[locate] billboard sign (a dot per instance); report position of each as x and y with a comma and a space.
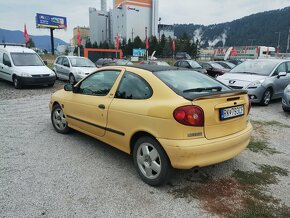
139, 52
50, 21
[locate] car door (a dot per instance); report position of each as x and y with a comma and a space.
66, 67
87, 108
58, 67
279, 83
6, 67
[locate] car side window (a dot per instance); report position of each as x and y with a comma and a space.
59, 60
288, 67
99, 83
280, 68
65, 62
6, 59
1, 57
133, 86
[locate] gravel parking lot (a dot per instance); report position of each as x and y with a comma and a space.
43, 173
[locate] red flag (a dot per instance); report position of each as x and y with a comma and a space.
79, 40
173, 45
117, 41
26, 37
147, 43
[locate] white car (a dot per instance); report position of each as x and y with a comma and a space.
23, 66
73, 68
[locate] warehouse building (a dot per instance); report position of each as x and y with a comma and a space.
127, 19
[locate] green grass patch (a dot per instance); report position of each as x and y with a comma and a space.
269, 123
259, 204
261, 146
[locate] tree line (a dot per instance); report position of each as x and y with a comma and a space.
163, 48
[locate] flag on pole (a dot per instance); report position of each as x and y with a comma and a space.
79, 40
117, 41
173, 45
26, 37
147, 42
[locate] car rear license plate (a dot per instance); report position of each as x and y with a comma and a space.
231, 112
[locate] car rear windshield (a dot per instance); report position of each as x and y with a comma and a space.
81, 62
260, 67
26, 59
194, 65
188, 83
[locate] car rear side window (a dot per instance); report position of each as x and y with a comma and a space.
133, 86
99, 83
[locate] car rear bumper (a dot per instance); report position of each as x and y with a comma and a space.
186, 154
36, 80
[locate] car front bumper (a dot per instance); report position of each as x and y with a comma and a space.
36, 80
256, 95
186, 154
286, 101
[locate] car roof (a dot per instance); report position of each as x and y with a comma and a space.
155, 68
18, 49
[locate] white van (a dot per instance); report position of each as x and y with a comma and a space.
23, 66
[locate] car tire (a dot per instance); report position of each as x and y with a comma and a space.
285, 109
266, 98
50, 84
17, 84
58, 120
72, 79
151, 161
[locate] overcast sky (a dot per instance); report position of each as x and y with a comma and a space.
14, 13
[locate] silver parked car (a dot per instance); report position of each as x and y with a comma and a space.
286, 99
264, 79
73, 68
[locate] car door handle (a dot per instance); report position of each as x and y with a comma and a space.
101, 106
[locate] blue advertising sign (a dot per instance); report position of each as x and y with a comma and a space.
50, 21
139, 52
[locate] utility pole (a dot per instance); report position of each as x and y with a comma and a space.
252, 41
279, 33
132, 35
287, 49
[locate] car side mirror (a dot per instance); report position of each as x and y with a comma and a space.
45, 62
282, 74
68, 87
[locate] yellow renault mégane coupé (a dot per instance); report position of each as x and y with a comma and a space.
165, 117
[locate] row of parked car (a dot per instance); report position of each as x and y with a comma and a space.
264, 79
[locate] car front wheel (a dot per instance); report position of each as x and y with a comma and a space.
151, 161
265, 101
58, 120
16, 83
72, 79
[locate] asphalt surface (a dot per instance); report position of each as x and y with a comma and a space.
46, 174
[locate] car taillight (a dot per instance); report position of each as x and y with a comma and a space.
189, 115
249, 106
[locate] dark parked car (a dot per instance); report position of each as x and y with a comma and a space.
226, 64
213, 69
182, 55
190, 64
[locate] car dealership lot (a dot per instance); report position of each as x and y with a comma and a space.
43, 173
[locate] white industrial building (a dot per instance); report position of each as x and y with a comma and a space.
128, 19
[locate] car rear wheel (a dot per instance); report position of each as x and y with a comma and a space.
58, 120
72, 79
151, 161
265, 101
16, 83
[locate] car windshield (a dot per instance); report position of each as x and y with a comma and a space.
81, 62
194, 65
260, 67
188, 81
26, 59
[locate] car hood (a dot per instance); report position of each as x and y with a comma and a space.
85, 69
240, 78
34, 70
